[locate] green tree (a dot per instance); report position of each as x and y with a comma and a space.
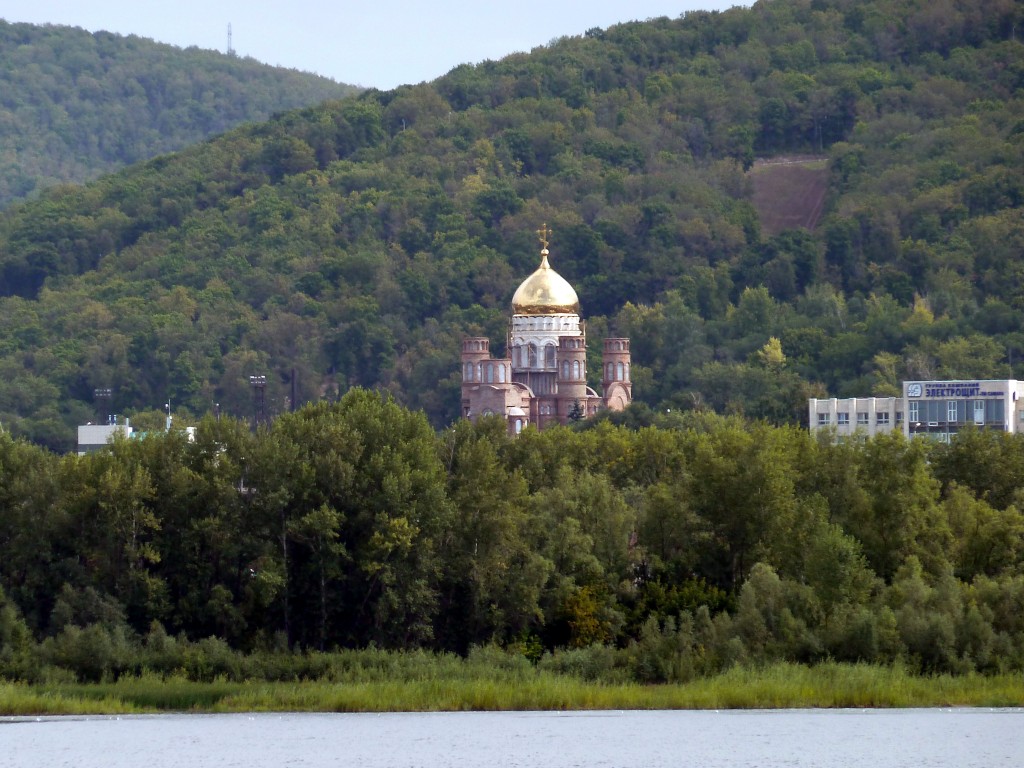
492, 577
901, 517
397, 512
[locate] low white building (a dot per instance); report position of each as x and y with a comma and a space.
92, 437
934, 409
852, 415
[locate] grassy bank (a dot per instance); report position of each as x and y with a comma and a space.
779, 686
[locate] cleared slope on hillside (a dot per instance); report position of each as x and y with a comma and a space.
789, 192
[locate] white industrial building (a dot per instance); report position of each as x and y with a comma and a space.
934, 409
851, 415
93, 437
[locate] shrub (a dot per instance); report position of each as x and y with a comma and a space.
93, 654
593, 663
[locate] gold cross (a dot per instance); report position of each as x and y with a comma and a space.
544, 233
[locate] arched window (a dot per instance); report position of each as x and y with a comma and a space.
611, 372
479, 372
533, 355
469, 372
501, 373
575, 369
519, 426
549, 356
619, 372
627, 372
490, 373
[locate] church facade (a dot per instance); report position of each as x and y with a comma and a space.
543, 381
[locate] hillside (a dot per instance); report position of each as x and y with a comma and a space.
75, 105
789, 192
355, 242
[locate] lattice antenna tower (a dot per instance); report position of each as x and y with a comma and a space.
231, 51
103, 397
259, 400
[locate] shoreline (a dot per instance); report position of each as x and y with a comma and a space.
783, 686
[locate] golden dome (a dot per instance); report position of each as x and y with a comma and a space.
545, 292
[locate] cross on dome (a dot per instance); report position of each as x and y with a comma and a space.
544, 233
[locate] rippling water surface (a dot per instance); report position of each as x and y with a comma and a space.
958, 738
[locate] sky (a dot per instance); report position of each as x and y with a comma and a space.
373, 44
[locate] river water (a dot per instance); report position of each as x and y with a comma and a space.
929, 738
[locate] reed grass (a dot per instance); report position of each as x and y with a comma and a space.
455, 687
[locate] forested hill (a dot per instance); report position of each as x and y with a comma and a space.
355, 242
75, 105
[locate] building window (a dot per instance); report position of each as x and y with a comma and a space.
979, 411
533, 356
619, 375
899, 417
549, 356
914, 418
862, 418
995, 413
611, 372
882, 419
823, 420
843, 419
519, 426
565, 370
469, 372
576, 369
490, 373
501, 374
951, 412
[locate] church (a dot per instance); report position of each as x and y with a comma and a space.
543, 381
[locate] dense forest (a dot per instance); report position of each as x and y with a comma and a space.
354, 243
673, 551
75, 105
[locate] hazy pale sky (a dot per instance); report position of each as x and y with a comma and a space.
382, 44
